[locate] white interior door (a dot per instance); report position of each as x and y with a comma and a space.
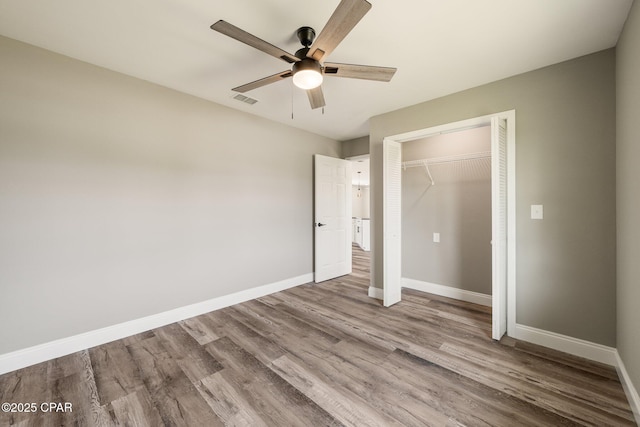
499, 225
332, 222
392, 225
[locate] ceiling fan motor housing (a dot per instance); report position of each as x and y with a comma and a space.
302, 53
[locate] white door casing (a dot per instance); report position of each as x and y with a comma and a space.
499, 226
392, 222
332, 223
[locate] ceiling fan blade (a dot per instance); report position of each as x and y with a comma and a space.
316, 97
253, 41
366, 72
263, 82
344, 18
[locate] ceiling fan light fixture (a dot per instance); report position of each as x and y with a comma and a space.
307, 74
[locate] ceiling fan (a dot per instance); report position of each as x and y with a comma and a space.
307, 65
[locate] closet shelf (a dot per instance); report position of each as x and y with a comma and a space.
446, 159
425, 163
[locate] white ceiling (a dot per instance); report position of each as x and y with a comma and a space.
439, 47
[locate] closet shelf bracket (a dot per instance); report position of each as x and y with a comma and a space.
426, 167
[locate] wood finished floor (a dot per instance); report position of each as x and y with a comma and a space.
323, 355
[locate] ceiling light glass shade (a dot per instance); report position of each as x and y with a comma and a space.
307, 74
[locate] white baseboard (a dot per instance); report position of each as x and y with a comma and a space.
62, 347
629, 389
577, 347
447, 291
376, 293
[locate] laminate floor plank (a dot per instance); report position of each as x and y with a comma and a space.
227, 403
192, 358
23, 386
278, 400
568, 360
116, 374
396, 330
175, 397
270, 299
477, 320
348, 366
318, 321
501, 381
81, 391
322, 355
65, 366
136, 409
403, 331
366, 331
199, 329
399, 318
604, 397
337, 321
258, 343
398, 399
138, 337
348, 408
469, 401
291, 325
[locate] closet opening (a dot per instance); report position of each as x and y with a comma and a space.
449, 214
446, 214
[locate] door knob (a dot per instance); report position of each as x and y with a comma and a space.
321, 224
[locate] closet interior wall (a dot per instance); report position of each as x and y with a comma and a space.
457, 208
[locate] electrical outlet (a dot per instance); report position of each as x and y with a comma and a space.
436, 237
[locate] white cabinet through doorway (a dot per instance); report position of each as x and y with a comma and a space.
361, 232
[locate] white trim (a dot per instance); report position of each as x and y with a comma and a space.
629, 389
62, 347
499, 231
447, 291
511, 220
376, 293
577, 347
446, 128
358, 157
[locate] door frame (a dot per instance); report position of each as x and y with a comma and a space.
508, 305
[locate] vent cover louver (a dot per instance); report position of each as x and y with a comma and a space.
245, 99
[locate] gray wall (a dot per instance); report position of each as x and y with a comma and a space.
458, 207
355, 147
121, 199
565, 136
628, 194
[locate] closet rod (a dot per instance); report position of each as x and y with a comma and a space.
446, 159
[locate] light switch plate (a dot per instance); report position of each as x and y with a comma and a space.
537, 212
436, 237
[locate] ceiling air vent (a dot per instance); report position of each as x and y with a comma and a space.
245, 99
